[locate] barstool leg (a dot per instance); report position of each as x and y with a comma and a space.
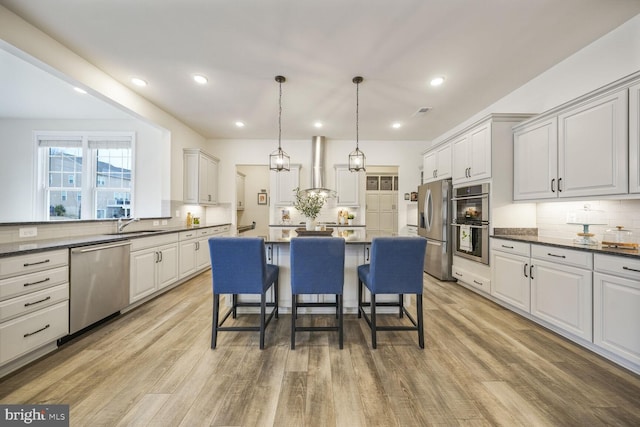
263, 312
401, 304
234, 303
374, 343
359, 298
340, 302
420, 320
214, 323
294, 314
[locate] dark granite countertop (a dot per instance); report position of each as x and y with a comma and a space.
22, 248
568, 244
352, 235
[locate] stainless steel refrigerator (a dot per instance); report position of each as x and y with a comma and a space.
434, 218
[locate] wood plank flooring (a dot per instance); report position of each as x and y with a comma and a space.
482, 365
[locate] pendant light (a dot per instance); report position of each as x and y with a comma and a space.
279, 161
357, 158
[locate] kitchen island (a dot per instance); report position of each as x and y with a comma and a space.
357, 252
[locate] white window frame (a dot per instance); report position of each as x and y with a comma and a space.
89, 189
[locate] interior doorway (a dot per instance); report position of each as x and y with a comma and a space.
382, 200
252, 190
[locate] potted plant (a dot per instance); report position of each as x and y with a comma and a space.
309, 205
350, 218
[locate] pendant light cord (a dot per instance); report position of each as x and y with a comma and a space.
280, 116
357, 113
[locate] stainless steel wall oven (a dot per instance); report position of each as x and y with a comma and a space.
471, 222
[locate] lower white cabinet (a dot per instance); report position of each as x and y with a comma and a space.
561, 295
194, 249
34, 302
510, 273
471, 278
154, 265
552, 284
616, 305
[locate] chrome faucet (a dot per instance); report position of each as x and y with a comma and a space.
122, 225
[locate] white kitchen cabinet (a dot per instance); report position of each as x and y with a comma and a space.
535, 158
510, 273
561, 289
240, 201
34, 302
616, 304
634, 138
437, 163
472, 154
347, 186
283, 184
200, 177
194, 249
576, 151
154, 265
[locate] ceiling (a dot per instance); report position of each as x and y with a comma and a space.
484, 49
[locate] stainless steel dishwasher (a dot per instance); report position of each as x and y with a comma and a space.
99, 283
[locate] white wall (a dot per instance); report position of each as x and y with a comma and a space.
613, 56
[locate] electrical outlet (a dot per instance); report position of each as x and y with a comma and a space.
28, 232
177, 214
156, 223
164, 222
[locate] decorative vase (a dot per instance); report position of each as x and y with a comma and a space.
311, 224
350, 221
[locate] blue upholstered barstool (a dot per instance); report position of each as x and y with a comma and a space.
317, 267
239, 266
396, 268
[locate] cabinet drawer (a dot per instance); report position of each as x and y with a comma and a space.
478, 282
580, 259
150, 242
22, 264
24, 284
186, 235
27, 333
208, 231
618, 265
33, 301
219, 230
509, 246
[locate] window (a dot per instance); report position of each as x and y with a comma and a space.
90, 167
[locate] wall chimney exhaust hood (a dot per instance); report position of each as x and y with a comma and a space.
317, 167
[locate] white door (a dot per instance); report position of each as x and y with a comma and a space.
168, 265
187, 258
143, 274
480, 152
460, 149
634, 139
510, 279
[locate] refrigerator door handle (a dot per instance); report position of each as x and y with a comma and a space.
428, 209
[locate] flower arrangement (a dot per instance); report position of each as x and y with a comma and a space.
308, 204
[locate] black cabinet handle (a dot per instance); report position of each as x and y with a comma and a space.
531, 271
525, 270
35, 332
508, 247
36, 283
28, 264
27, 304
553, 185
630, 269
559, 186
554, 255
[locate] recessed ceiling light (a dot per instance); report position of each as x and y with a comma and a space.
80, 90
138, 82
317, 124
239, 124
200, 79
396, 125
437, 81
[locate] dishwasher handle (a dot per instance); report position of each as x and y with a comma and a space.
94, 248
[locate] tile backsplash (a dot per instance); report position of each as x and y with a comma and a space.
552, 217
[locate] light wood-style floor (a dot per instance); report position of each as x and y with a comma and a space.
482, 365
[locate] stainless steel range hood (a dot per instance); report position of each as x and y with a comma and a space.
317, 167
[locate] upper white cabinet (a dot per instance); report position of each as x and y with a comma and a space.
437, 163
634, 139
200, 177
580, 150
347, 186
283, 184
472, 155
240, 179
535, 157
